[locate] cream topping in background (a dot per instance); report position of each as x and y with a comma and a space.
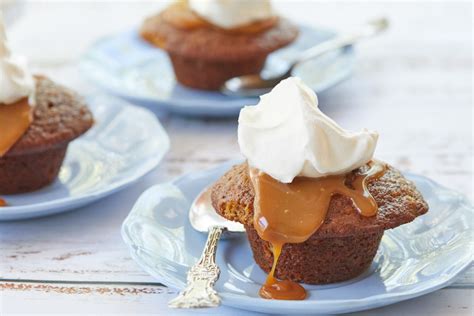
230, 14
286, 135
16, 82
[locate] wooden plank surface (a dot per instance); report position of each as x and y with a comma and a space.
116, 299
413, 85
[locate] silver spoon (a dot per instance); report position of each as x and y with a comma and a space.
255, 85
199, 291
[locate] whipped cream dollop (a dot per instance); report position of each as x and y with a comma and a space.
16, 82
286, 135
230, 14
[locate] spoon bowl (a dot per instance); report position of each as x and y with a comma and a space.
202, 217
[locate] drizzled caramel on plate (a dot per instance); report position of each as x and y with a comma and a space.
181, 16
280, 289
292, 212
14, 121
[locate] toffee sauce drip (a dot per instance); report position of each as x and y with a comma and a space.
292, 212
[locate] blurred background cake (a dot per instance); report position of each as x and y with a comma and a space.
210, 41
38, 119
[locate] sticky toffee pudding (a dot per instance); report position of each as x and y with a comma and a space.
205, 54
349, 232
313, 200
38, 136
38, 119
291, 213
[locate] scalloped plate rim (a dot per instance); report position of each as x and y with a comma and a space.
244, 302
69, 203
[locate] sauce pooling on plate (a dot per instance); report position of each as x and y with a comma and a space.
292, 212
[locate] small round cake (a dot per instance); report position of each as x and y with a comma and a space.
344, 245
205, 55
59, 116
313, 200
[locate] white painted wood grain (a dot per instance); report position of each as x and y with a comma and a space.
413, 85
99, 299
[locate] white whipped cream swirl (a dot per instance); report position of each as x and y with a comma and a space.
230, 14
286, 135
16, 82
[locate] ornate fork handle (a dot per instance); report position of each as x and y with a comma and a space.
199, 291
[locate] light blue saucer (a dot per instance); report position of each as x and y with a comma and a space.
127, 66
413, 260
125, 143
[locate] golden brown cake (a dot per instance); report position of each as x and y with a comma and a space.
313, 200
203, 55
344, 245
59, 116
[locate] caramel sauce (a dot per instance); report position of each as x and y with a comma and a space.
292, 212
14, 121
3, 202
181, 16
280, 289
255, 27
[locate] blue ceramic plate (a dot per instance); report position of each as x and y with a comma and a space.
127, 66
116, 152
413, 260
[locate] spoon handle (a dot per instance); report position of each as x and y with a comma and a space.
340, 41
199, 291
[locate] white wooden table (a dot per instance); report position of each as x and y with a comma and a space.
413, 85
